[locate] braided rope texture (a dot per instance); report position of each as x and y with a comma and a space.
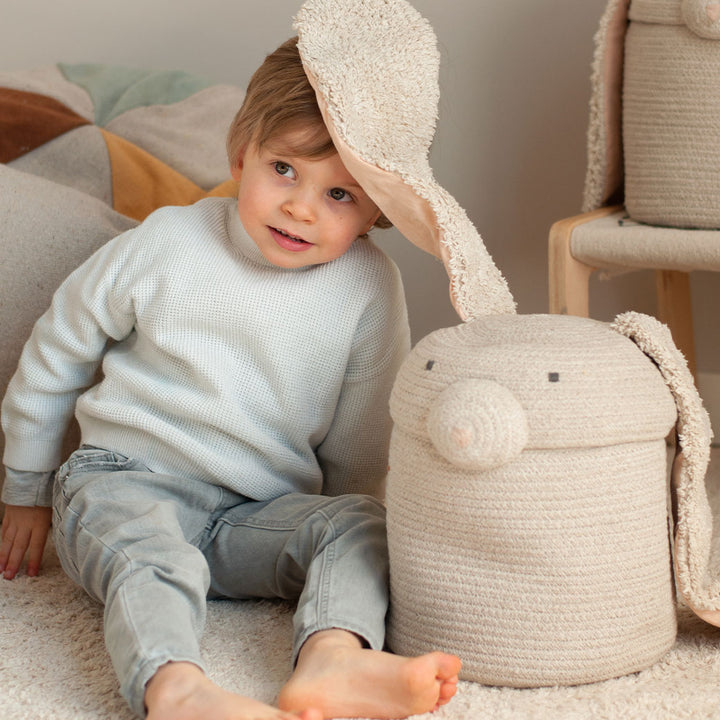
545, 559
671, 113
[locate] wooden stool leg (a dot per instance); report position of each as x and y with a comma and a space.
569, 279
675, 310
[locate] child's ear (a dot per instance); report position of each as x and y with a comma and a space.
237, 166
371, 223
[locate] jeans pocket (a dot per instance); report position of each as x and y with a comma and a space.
92, 459
84, 463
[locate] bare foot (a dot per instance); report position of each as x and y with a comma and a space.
335, 674
181, 691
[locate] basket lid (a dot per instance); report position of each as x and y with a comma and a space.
580, 383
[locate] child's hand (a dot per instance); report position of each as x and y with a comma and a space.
24, 529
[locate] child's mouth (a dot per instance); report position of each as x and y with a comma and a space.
288, 241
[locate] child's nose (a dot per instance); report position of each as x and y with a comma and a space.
300, 206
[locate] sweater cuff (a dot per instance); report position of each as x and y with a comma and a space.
23, 487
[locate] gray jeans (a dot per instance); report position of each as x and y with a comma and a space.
153, 548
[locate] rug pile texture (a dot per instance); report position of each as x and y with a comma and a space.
53, 663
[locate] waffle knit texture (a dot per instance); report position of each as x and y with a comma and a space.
87, 152
217, 365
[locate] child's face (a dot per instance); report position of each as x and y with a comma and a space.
300, 211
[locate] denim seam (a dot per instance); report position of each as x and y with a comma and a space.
328, 557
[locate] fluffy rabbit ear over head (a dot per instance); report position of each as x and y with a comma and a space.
374, 66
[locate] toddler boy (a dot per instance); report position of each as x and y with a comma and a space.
237, 441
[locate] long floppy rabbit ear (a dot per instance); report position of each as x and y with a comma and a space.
374, 66
697, 581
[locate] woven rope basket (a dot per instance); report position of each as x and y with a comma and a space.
527, 502
671, 113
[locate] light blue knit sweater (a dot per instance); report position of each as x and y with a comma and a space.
217, 365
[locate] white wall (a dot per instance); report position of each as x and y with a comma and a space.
510, 144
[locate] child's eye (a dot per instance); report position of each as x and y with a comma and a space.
340, 195
282, 168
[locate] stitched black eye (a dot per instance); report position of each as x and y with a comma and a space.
554, 377
429, 365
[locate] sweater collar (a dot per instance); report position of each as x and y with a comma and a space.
244, 245
239, 239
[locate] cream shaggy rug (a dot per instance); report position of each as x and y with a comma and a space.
53, 664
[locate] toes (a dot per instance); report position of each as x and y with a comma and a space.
311, 715
447, 690
446, 693
449, 685
448, 666
304, 715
